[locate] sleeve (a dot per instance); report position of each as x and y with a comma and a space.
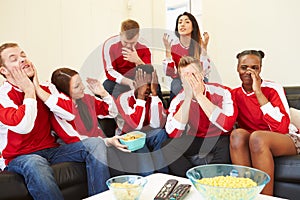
58, 103
206, 64
108, 60
173, 127
19, 119
146, 56
169, 67
133, 115
106, 107
157, 113
224, 116
275, 112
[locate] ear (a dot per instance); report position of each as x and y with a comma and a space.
3, 70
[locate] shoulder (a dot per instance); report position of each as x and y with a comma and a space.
217, 86
114, 40
271, 85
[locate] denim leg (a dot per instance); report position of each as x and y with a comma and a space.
38, 176
154, 141
92, 151
144, 161
96, 165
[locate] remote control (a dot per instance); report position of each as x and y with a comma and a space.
180, 191
166, 190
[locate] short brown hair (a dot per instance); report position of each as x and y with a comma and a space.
130, 27
187, 60
61, 78
5, 46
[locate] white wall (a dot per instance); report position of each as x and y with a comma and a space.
69, 32
57, 33
268, 25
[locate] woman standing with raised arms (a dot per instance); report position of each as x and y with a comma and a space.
189, 43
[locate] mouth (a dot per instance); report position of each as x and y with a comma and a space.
25, 66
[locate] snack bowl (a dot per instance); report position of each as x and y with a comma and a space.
245, 182
126, 187
134, 140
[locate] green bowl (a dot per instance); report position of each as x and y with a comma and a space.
216, 192
134, 144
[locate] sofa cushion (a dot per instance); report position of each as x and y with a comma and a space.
287, 169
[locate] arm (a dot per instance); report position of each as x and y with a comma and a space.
18, 118
108, 55
274, 107
173, 126
276, 113
220, 108
105, 107
132, 110
157, 112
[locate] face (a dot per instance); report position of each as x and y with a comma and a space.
189, 70
185, 25
129, 43
76, 87
15, 57
247, 62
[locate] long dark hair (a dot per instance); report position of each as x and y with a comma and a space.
195, 44
61, 78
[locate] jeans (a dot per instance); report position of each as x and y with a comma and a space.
154, 141
38, 175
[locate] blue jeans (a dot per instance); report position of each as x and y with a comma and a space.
154, 141
38, 175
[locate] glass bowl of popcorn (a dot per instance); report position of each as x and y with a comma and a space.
126, 187
225, 181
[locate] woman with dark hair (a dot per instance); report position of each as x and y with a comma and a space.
86, 109
264, 130
189, 43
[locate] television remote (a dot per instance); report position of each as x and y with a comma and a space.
180, 192
166, 190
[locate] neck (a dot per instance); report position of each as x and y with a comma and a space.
185, 40
247, 88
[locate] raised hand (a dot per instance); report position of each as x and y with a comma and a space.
141, 83
96, 87
205, 41
154, 83
167, 43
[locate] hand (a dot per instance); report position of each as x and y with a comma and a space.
22, 81
114, 141
256, 84
197, 83
96, 87
167, 43
36, 81
129, 82
140, 83
205, 41
154, 83
187, 87
131, 55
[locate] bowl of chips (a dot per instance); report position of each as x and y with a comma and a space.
225, 181
126, 187
133, 140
